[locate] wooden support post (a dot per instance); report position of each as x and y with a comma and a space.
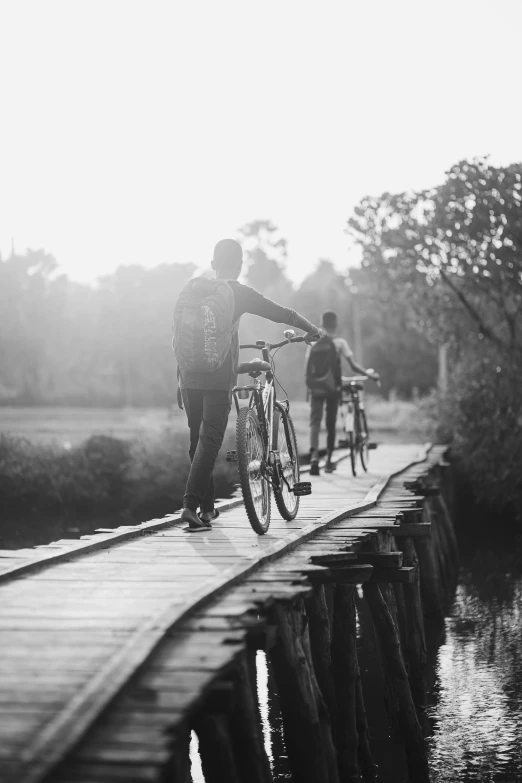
442, 508
329, 591
402, 618
177, 770
324, 717
320, 644
415, 649
429, 580
447, 482
396, 672
245, 728
379, 702
368, 767
275, 718
216, 748
445, 566
307, 731
346, 672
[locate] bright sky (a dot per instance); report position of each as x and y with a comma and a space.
142, 131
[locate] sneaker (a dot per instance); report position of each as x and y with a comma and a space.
330, 467
314, 467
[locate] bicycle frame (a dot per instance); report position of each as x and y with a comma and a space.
262, 399
352, 401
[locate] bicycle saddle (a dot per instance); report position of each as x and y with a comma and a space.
256, 365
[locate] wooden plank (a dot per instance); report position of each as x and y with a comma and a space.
413, 529
88, 772
381, 559
125, 534
350, 574
405, 574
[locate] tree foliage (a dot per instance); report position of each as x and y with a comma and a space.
451, 257
453, 250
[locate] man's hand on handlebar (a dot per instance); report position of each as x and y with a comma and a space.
313, 335
373, 374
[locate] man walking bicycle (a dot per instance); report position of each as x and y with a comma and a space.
206, 342
323, 379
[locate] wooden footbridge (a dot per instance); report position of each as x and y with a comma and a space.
114, 647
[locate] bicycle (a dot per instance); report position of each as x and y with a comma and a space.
355, 425
266, 445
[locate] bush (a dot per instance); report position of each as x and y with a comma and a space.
481, 416
143, 477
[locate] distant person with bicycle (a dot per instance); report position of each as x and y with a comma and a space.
323, 381
206, 343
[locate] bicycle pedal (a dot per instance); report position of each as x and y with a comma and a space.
232, 455
343, 444
301, 488
372, 446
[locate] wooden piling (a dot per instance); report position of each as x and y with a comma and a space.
432, 600
177, 769
245, 728
216, 748
368, 767
380, 704
415, 648
346, 673
396, 673
320, 644
447, 522
307, 730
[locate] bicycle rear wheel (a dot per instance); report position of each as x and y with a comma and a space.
285, 443
353, 451
364, 437
251, 456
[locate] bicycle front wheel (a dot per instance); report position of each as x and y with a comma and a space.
251, 456
285, 443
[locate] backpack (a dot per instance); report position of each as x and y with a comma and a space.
323, 369
203, 325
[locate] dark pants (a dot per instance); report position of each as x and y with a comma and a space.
316, 414
207, 413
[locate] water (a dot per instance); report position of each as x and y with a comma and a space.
477, 699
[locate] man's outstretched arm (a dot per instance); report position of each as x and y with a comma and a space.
257, 304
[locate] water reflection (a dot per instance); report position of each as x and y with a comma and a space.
477, 715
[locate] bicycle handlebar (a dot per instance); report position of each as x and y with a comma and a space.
359, 379
271, 346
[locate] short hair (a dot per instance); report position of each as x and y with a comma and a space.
227, 254
330, 320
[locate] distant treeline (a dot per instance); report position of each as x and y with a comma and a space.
63, 342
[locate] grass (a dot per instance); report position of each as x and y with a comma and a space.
69, 427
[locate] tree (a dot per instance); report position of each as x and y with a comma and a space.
453, 252
452, 256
